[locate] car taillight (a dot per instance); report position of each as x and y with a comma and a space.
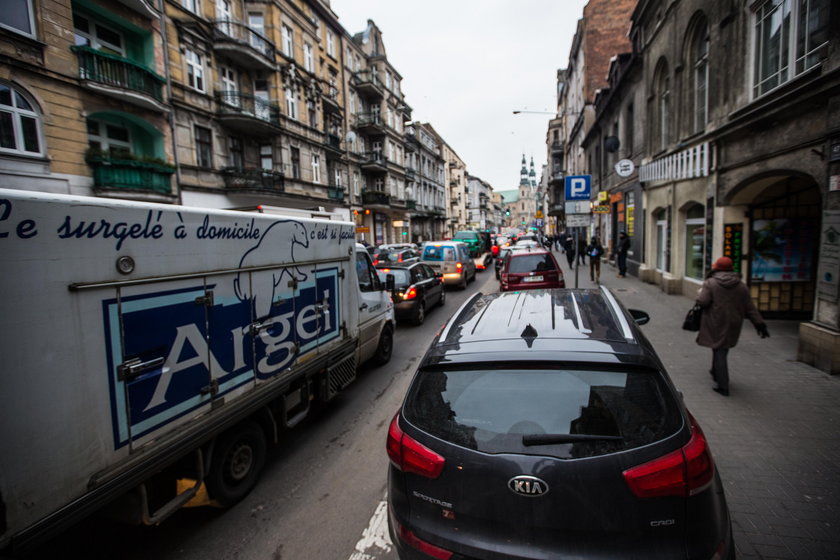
428, 549
409, 455
459, 266
683, 473
411, 293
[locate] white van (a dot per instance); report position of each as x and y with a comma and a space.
451, 259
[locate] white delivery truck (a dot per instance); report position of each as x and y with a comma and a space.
144, 344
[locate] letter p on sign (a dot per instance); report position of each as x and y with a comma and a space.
578, 187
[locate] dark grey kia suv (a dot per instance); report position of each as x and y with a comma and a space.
542, 424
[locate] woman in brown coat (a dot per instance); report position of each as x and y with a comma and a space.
725, 301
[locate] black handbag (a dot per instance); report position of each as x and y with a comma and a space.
692, 318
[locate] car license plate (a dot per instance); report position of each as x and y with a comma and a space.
533, 279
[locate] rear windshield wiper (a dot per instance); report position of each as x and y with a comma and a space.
548, 439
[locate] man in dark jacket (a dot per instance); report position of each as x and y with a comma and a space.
623, 247
594, 250
725, 301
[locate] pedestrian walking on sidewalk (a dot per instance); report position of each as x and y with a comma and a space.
726, 301
594, 250
570, 252
623, 247
581, 250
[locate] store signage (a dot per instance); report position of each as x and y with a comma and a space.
601, 209
625, 168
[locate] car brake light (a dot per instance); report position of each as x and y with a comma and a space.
459, 266
426, 548
683, 473
411, 293
409, 455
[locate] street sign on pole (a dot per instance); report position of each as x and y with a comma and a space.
578, 187
578, 220
577, 207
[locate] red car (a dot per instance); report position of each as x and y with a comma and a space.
530, 269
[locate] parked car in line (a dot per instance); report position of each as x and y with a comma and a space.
473, 240
395, 256
417, 288
452, 259
543, 424
530, 268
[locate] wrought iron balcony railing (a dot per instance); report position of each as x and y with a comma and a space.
116, 71
131, 174
253, 178
231, 30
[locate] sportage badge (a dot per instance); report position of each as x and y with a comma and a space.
528, 486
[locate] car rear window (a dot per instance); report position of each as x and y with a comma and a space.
438, 253
402, 277
529, 263
492, 410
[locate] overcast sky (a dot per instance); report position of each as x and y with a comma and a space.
468, 64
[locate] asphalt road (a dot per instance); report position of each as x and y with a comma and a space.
320, 490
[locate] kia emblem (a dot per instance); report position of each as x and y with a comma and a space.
528, 486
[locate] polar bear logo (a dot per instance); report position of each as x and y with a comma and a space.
277, 245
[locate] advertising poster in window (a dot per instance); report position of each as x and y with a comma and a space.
783, 250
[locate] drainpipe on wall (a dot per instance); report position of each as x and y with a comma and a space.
171, 116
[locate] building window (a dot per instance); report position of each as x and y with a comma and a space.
356, 184
700, 60
88, 33
230, 86
337, 177
661, 222
204, 147
224, 15
195, 70
237, 157
662, 107
291, 104
288, 42
308, 59
313, 113
295, 162
695, 241
330, 44
20, 124
191, 5
789, 35
316, 168
110, 139
17, 15
629, 126
266, 157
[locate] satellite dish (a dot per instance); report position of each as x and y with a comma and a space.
351, 136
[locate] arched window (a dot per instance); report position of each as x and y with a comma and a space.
20, 123
700, 74
662, 106
695, 241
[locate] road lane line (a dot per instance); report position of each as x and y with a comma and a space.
375, 540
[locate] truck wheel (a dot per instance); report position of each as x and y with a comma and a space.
385, 347
420, 314
238, 459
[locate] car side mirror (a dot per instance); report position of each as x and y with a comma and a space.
641, 317
390, 283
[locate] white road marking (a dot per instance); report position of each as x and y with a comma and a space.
375, 540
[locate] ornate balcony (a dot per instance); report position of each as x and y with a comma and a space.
367, 83
336, 193
333, 143
376, 199
370, 123
120, 78
244, 46
330, 99
253, 179
374, 161
131, 174
248, 114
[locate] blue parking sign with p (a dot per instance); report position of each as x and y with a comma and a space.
578, 187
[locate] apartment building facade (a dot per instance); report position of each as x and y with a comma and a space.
726, 113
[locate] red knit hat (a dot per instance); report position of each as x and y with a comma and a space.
723, 263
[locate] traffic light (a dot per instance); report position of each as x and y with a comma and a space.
507, 213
